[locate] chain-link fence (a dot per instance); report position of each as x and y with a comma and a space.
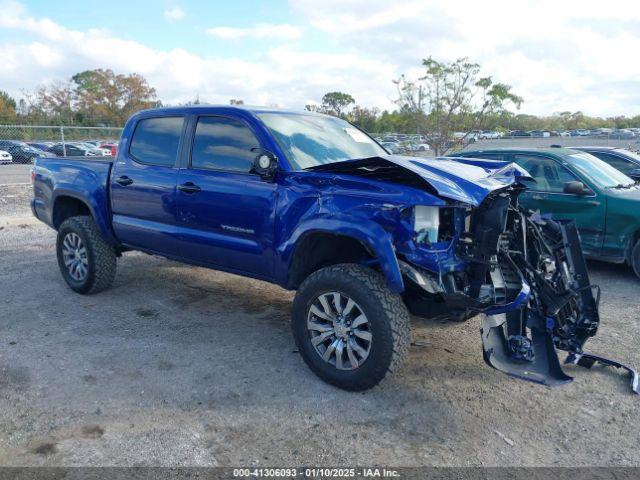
628, 142
23, 143
419, 145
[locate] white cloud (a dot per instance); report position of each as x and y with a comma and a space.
284, 75
557, 55
174, 14
262, 30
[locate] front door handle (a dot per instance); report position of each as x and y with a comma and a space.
124, 181
189, 187
537, 196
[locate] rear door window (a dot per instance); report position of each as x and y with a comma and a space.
155, 140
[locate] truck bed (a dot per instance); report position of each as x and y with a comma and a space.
87, 177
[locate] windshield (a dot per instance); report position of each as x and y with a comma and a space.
601, 173
311, 140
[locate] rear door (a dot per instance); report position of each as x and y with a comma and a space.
547, 195
143, 186
226, 213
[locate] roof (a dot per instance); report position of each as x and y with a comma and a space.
205, 108
596, 148
549, 150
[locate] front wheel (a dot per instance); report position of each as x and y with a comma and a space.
635, 258
86, 261
349, 327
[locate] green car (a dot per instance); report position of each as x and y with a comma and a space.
571, 184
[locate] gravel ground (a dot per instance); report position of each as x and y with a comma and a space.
179, 365
14, 173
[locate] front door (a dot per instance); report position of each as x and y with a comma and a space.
226, 212
547, 195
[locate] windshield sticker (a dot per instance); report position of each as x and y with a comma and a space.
357, 135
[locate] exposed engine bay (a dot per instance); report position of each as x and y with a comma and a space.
527, 274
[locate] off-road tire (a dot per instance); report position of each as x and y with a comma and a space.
387, 314
101, 257
635, 258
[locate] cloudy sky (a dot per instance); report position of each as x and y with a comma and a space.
559, 55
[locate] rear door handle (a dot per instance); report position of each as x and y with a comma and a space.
124, 181
189, 187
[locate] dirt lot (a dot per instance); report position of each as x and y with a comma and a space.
183, 366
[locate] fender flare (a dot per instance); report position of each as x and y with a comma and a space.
370, 234
96, 212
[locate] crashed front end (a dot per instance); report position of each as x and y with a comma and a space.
525, 273
476, 251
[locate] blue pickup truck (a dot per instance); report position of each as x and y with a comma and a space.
313, 204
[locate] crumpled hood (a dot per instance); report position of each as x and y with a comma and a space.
465, 180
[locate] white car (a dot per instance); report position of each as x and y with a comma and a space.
488, 135
5, 158
419, 147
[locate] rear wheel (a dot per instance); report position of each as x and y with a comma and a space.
86, 261
349, 327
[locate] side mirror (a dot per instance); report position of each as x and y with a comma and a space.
265, 163
575, 188
634, 174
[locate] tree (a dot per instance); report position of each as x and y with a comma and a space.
105, 97
335, 103
52, 102
365, 118
452, 97
7, 107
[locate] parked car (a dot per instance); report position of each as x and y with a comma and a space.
570, 184
112, 147
539, 133
392, 147
5, 158
21, 152
44, 146
71, 150
418, 147
564, 133
489, 135
313, 204
601, 132
580, 132
622, 134
626, 161
519, 133
99, 151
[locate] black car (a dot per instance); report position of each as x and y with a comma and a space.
44, 146
21, 152
520, 133
621, 159
70, 150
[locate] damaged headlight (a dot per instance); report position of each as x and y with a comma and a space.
426, 222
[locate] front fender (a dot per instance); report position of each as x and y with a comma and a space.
370, 234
